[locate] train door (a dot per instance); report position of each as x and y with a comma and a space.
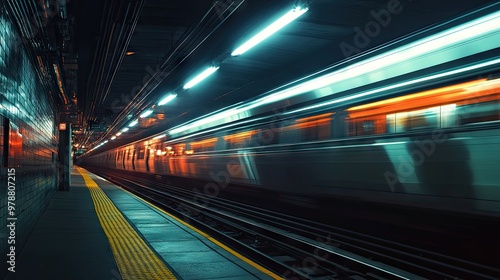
158, 168
133, 159
128, 159
148, 153
117, 159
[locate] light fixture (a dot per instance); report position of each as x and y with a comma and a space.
167, 99
207, 120
270, 30
130, 53
200, 77
442, 40
113, 138
125, 129
485, 28
146, 113
119, 133
159, 136
134, 123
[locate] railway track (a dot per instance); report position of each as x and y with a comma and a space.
301, 249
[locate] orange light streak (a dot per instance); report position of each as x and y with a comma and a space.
241, 136
477, 91
411, 97
205, 141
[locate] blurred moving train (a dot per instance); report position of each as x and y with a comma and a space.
416, 123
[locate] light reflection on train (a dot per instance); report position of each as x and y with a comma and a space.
435, 148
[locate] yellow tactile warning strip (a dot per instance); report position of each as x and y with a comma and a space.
217, 242
133, 256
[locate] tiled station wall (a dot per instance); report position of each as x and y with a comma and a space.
27, 129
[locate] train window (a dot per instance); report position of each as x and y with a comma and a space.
361, 127
420, 119
448, 115
459, 104
314, 128
140, 154
241, 139
169, 151
179, 149
391, 123
159, 152
204, 145
367, 126
482, 112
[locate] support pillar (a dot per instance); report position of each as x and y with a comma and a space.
64, 158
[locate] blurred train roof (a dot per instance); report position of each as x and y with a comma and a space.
123, 44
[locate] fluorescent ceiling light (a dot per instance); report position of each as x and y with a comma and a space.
125, 129
105, 142
134, 123
441, 40
483, 26
159, 136
270, 30
200, 77
146, 113
119, 133
167, 99
113, 138
218, 116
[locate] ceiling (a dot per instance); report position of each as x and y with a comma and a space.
131, 53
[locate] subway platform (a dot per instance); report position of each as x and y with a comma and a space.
99, 231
